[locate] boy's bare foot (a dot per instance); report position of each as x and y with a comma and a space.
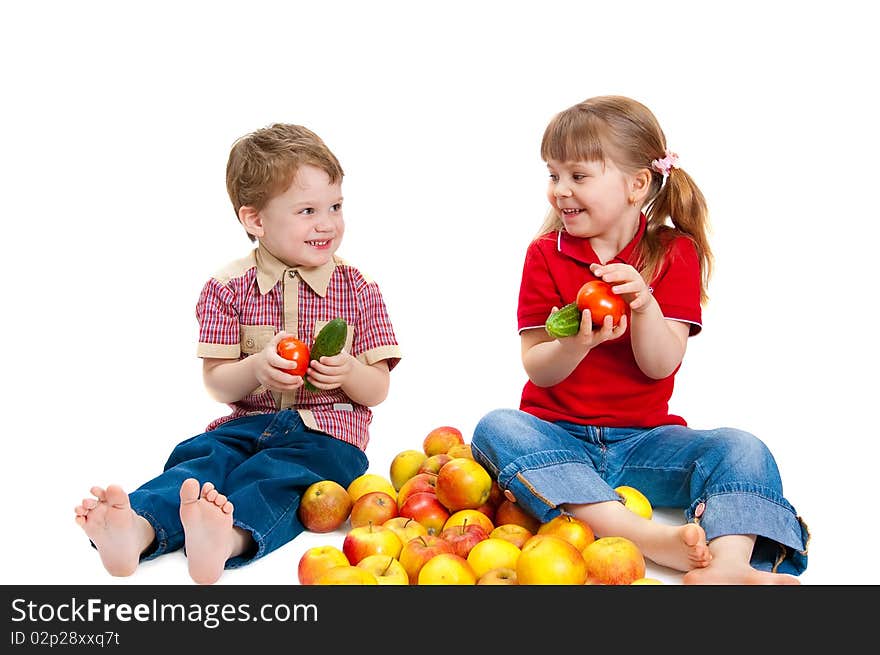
207, 525
118, 533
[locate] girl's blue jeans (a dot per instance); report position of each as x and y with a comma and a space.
724, 479
263, 464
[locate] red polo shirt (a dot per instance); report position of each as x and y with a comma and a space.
607, 388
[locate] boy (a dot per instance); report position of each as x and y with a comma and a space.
285, 186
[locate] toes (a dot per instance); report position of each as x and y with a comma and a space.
219, 500
227, 507
189, 491
207, 488
116, 497
210, 496
98, 492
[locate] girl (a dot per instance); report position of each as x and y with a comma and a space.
594, 411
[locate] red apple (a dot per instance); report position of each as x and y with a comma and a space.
417, 551
463, 483
418, 482
374, 507
370, 540
325, 505
434, 463
463, 537
440, 440
427, 510
510, 512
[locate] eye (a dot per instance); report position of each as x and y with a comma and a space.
554, 177
307, 211
336, 207
578, 177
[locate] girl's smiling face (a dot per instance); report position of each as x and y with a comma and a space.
303, 226
591, 197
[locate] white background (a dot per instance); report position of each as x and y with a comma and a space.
116, 125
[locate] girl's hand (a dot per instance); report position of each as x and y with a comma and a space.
627, 282
588, 337
331, 372
269, 367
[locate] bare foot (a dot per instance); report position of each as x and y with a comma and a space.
118, 533
208, 530
681, 547
719, 574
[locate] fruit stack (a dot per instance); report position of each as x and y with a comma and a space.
440, 518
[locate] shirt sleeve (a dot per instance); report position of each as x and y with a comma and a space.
374, 338
677, 287
219, 332
538, 293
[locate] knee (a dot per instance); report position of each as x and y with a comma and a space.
494, 426
748, 454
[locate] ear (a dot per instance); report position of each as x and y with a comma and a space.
640, 185
251, 220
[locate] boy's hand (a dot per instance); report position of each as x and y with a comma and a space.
269, 367
331, 372
627, 282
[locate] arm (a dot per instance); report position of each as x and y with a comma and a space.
658, 343
230, 380
365, 384
549, 361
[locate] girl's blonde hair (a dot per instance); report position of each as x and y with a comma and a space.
625, 131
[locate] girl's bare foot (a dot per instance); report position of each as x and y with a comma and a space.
118, 533
730, 565
683, 547
208, 530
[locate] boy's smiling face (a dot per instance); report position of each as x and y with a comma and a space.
302, 226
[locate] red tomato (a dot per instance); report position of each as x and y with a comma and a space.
597, 296
296, 351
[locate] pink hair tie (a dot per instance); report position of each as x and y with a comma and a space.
666, 164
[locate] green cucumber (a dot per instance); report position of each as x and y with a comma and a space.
329, 342
565, 322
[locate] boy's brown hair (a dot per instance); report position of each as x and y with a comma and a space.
262, 164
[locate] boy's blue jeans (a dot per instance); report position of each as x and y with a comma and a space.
725, 479
263, 464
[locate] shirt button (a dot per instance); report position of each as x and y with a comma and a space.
509, 495
291, 273
249, 343
699, 509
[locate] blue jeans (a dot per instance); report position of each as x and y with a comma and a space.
263, 464
724, 479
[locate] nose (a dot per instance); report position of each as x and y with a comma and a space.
561, 189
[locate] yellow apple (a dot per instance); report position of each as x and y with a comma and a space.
447, 569
613, 561
469, 516
463, 483
406, 528
492, 553
461, 450
416, 552
515, 534
549, 560
315, 561
440, 440
641, 581
346, 575
635, 501
325, 505
572, 529
405, 465
502, 575
368, 482
388, 570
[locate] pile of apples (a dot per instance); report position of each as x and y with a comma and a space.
440, 518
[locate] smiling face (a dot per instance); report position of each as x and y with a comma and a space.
303, 225
592, 198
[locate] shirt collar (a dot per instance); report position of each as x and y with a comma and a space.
580, 249
270, 270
